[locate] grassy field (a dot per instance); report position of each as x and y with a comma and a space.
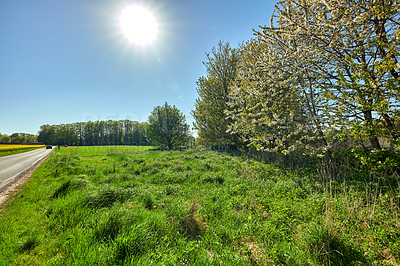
110, 205
9, 149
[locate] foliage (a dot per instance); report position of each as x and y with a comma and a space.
322, 74
6, 139
382, 161
18, 138
348, 54
213, 89
167, 127
123, 132
267, 113
121, 205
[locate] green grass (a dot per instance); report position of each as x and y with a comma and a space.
116, 205
105, 150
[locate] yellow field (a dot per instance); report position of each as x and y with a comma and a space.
11, 147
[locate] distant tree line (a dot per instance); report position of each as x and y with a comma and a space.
323, 73
166, 128
18, 138
123, 132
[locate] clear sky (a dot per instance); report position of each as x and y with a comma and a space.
65, 61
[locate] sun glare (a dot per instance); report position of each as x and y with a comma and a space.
139, 25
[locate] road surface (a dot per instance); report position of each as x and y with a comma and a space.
14, 166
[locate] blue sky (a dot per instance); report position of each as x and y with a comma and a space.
65, 61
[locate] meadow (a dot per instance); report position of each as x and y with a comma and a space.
129, 205
9, 149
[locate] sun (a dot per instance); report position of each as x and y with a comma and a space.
139, 25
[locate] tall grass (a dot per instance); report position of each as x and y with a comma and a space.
92, 206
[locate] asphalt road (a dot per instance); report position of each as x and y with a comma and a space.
14, 165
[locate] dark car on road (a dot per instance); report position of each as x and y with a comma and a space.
49, 147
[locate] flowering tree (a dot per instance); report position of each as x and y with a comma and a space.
265, 109
347, 54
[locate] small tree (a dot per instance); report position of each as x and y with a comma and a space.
167, 127
213, 90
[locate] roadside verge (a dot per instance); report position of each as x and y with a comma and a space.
13, 183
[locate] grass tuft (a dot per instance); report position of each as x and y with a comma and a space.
326, 248
29, 244
108, 228
148, 202
187, 221
68, 186
106, 197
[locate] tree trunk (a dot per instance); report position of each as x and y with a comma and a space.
372, 137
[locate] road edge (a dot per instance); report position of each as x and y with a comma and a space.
19, 179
